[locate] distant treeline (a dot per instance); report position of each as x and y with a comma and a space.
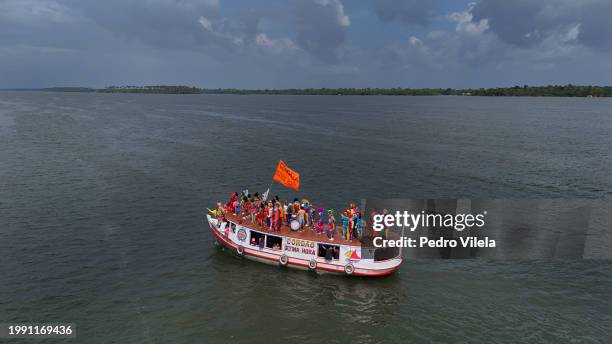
516, 91
330, 91
151, 89
69, 89
541, 91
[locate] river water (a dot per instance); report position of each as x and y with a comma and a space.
102, 198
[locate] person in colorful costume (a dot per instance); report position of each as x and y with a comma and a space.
331, 224
220, 211
359, 225
283, 212
306, 207
236, 207
321, 220
269, 214
311, 211
261, 214
345, 224
276, 218
350, 213
230, 207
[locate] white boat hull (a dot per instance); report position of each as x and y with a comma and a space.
237, 242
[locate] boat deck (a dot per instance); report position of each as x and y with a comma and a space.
308, 233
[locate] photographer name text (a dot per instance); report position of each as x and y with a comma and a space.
411, 222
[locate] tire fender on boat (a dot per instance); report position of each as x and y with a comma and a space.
312, 264
240, 250
349, 269
283, 260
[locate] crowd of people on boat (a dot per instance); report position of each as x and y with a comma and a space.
273, 214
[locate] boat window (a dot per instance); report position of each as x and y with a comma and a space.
385, 253
256, 238
274, 242
329, 252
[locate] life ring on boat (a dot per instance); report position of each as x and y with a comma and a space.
312, 264
240, 250
283, 260
349, 269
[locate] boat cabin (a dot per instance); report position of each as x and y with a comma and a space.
305, 244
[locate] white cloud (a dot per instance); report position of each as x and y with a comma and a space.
275, 45
572, 34
221, 34
206, 23
414, 40
338, 8
465, 23
224, 29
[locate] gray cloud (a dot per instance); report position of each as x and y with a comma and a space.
596, 25
526, 23
476, 51
321, 27
162, 23
303, 43
516, 22
407, 11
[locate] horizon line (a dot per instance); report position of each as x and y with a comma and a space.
306, 88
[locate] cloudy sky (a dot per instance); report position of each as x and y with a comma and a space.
305, 43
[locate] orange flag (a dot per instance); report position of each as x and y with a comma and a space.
287, 176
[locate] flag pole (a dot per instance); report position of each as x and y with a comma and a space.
267, 193
270, 188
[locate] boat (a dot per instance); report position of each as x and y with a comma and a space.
303, 248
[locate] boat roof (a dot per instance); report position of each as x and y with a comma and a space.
308, 233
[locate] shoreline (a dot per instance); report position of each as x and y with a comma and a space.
588, 91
